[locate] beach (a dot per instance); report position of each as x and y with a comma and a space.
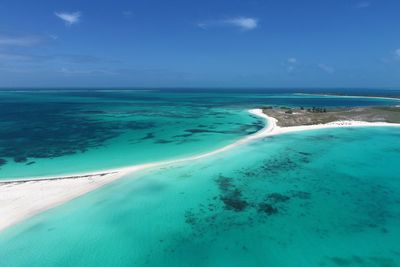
21, 199
350, 96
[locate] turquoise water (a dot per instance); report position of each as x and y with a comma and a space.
44, 133
320, 198
72, 132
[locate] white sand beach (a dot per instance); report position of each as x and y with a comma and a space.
23, 198
351, 96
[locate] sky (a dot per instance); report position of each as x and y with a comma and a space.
207, 43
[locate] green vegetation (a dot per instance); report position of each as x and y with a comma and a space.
319, 115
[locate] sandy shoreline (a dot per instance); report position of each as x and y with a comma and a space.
23, 198
351, 96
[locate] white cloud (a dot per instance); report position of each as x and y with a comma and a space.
127, 13
394, 57
243, 23
12, 57
69, 18
328, 69
290, 69
291, 65
67, 71
363, 5
202, 25
20, 41
53, 36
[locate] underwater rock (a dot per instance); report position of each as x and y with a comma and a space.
341, 261
279, 164
231, 196
277, 197
193, 131
148, 136
224, 183
3, 162
234, 201
267, 209
51, 130
93, 112
182, 135
190, 218
301, 194
163, 141
363, 261
20, 159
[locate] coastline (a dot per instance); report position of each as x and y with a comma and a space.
350, 96
277, 130
24, 198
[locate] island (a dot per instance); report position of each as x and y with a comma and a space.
301, 116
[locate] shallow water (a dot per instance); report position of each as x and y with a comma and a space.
72, 131
59, 133
320, 198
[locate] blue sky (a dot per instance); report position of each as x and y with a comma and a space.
208, 43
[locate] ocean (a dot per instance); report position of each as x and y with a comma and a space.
316, 198
63, 132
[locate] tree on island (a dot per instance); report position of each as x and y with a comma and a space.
317, 110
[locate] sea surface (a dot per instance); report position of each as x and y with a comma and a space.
315, 198
318, 198
60, 132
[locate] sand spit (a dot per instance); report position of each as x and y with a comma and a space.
23, 198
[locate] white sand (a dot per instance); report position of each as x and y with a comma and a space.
336, 124
351, 96
21, 199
